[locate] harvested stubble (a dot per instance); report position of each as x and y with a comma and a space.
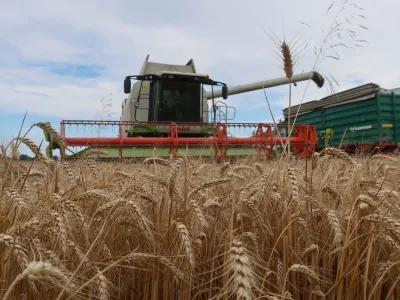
185, 229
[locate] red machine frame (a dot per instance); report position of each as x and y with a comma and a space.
303, 141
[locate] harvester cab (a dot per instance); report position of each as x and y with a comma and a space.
164, 97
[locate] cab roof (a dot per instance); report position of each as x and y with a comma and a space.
154, 67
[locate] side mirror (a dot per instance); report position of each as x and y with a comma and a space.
224, 92
127, 85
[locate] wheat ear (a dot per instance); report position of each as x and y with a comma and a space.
57, 138
39, 271
186, 241
241, 267
34, 148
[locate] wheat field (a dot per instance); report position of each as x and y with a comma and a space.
325, 228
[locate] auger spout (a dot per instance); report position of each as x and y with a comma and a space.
243, 88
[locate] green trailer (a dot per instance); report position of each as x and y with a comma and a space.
364, 117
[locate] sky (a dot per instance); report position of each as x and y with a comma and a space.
68, 60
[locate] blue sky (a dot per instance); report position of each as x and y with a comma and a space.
68, 69
59, 60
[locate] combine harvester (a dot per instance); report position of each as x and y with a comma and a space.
168, 109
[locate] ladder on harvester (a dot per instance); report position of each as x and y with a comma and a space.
222, 113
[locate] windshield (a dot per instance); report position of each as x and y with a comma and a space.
179, 102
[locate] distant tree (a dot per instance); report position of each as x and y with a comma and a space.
25, 157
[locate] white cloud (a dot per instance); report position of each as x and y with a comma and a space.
39, 47
63, 100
